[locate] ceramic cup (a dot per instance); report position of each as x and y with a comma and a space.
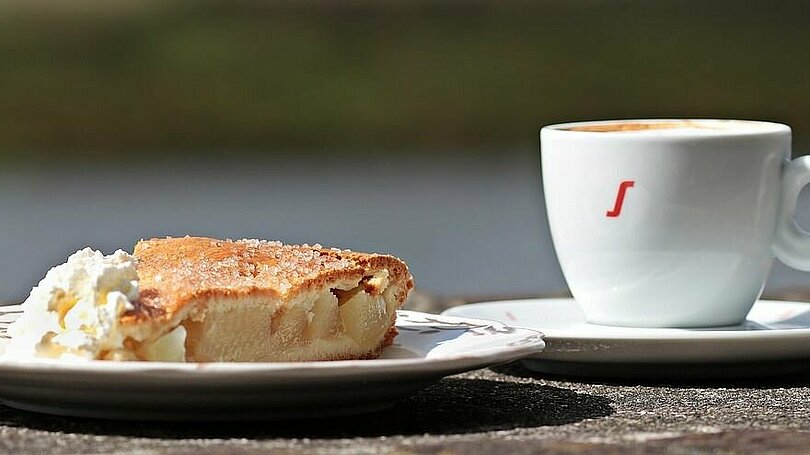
672, 223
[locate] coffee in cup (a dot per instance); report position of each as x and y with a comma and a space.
672, 223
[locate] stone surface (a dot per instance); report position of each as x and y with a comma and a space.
504, 410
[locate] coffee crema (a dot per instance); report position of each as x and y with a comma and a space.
642, 126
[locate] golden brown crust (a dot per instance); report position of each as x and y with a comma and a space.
174, 272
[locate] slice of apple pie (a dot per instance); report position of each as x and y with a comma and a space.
206, 300
256, 300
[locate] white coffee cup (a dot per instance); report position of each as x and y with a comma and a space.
672, 223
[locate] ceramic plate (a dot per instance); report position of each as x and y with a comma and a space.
427, 348
775, 339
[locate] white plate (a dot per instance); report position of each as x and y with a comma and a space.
775, 339
427, 348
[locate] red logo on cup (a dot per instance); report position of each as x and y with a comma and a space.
617, 207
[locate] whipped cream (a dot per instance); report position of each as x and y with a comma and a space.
74, 312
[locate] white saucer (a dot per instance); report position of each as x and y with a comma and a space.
427, 348
774, 340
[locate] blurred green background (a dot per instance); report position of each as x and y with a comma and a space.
85, 79
407, 127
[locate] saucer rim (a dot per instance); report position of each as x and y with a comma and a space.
629, 333
619, 350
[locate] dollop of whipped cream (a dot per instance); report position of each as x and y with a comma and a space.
74, 312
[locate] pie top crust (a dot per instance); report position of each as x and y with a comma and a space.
175, 272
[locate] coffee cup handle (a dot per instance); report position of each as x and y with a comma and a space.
792, 245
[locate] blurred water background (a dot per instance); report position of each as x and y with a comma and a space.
405, 127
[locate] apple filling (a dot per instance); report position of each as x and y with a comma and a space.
346, 321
